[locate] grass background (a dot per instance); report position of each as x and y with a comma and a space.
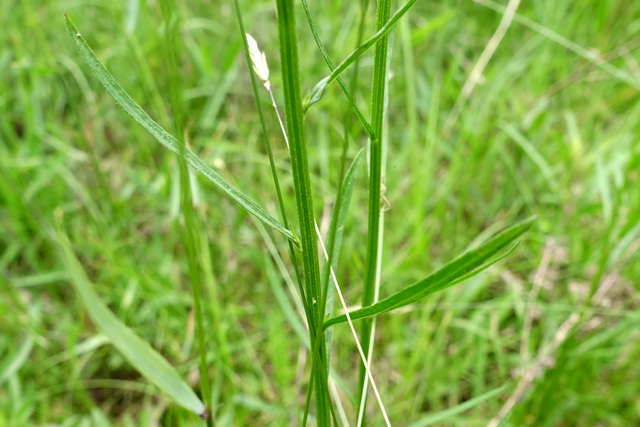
546, 132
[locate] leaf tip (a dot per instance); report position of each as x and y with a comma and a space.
528, 222
315, 94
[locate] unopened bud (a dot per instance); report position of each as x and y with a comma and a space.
258, 59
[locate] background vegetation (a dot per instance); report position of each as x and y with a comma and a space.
551, 129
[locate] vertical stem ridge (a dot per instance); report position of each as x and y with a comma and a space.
375, 180
304, 200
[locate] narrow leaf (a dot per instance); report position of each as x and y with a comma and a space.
443, 278
316, 93
169, 141
284, 302
147, 361
341, 83
453, 411
13, 361
334, 239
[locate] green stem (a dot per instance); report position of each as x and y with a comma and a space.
304, 201
267, 143
371, 277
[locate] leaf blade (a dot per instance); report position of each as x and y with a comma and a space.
15, 360
461, 407
334, 240
315, 94
147, 361
442, 278
169, 141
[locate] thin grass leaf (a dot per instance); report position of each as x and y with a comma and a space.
13, 361
169, 141
536, 157
316, 93
334, 239
171, 21
147, 361
454, 410
341, 83
445, 277
284, 302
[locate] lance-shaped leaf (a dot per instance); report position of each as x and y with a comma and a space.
148, 362
449, 275
169, 141
316, 93
334, 239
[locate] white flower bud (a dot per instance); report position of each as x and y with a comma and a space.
258, 59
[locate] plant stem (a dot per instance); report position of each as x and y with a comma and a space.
274, 173
304, 201
372, 267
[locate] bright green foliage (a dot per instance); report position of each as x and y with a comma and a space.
115, 90
550, 128
445, 277
138, 352
318, 90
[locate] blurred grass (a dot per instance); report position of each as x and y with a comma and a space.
545, 132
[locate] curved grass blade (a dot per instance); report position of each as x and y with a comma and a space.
147, 361
447, 276
13, 361
169, 141
455, 410
316, 93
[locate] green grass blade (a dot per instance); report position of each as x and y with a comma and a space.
445, 277
148, 362
169, 141
284, 302
13, 361
316, 93
171, 21
334, 239
454, 410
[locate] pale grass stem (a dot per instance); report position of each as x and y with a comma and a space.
260, 66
